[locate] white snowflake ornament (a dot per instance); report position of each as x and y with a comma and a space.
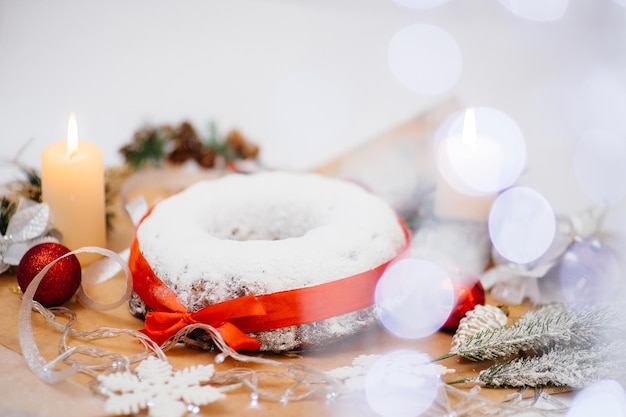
158, 387
353, 376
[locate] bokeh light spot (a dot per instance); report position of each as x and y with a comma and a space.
589, 272
401, 384
604, 398
425, 59
599, 166
414, 298
537, 10
521, 224
480, 151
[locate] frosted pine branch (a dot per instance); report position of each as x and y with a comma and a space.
538, 331
560, 367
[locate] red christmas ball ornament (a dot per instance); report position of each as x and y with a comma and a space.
60, 282
469, 293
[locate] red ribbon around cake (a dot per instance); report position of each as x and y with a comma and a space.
235, 318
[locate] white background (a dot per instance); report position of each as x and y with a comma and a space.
122, 64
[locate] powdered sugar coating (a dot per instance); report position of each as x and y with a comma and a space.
262, 233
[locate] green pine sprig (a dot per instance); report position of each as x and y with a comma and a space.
152, 146
554, 346
539, 331
562, 366
148, 147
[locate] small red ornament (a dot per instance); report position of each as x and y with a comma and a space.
469, 293
60, 282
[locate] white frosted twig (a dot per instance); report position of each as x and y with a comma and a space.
560, 367
538, 331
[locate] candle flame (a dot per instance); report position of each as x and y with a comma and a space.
469, 128
72, 137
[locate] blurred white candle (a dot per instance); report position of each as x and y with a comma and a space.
468, 170
72, 181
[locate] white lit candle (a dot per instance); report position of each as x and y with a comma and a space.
468, 171
72, 182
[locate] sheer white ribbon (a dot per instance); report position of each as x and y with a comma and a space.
43, 369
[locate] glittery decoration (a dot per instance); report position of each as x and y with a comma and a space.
482, 317
45, 370
29, 225
511, 283
469, 293
60, 282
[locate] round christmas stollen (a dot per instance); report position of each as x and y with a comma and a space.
235, 318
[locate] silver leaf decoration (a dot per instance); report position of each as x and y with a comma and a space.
29, 226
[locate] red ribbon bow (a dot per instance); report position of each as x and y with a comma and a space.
233, 319
161, 325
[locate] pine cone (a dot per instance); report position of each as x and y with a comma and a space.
188, 145
482, 317
235, 140
239, 147
186, 133
206, 157
249, 151
179, 156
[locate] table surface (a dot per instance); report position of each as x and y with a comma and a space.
22, 394
19, 386
75, 392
